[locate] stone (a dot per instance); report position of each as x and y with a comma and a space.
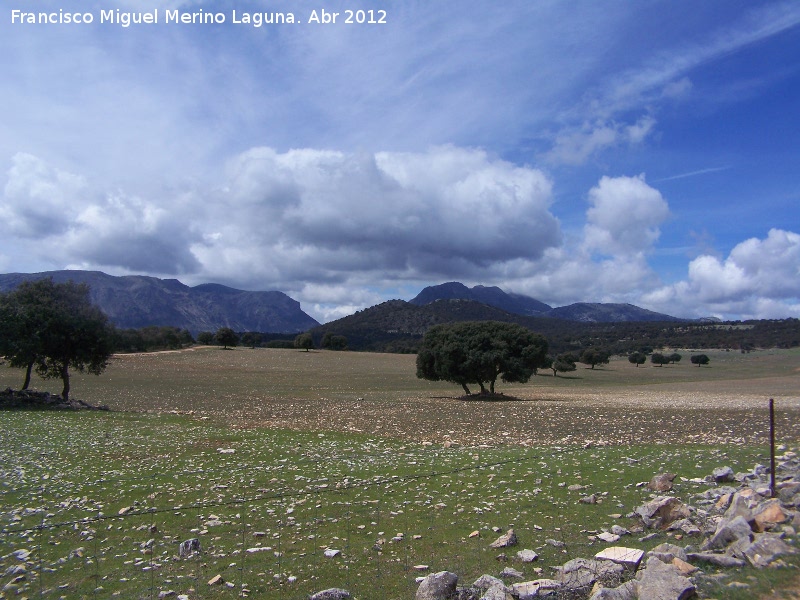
505, 540
607, 537
484, 582
667, 552
719, 560
684, 568
330, 594
331, 553
740, 506
591, 499
765, 549
661, 581
216, 580
687, 526
527, 556
768, 514
581, 573
497, 592
662, 511
627, 591
510, 572
529, 590
437, 586
622, 556
728, 532
619, 530
661, 482
723, 474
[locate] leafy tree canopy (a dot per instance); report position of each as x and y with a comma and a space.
478, 352
563, 363
594, 356
227, 337
637, 358
53, 327
304, 341
700, 359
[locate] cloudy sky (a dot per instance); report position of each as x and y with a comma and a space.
642, 152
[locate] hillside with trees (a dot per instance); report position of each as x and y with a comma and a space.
398, 326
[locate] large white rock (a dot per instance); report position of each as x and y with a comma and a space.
622, 556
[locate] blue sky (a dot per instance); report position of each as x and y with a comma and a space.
642, 152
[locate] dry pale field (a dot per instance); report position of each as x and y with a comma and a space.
379, 394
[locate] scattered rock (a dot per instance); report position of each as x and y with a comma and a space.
538, 588
719, 560
769, 514
527, 556
331, 594
722, 475
509, 572
505, 540
662, 511
216, 580
660, 581
624, 556
437, 586
661, 482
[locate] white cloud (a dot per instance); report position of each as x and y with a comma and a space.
624, 216
760, 278
576, 146
40, 200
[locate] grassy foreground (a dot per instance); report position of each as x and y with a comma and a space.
287, 454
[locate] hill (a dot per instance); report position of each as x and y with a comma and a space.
135, 301
398, 326
493, 296
520, 304
596, 312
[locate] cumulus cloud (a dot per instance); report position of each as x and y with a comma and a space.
304, 216
760, 278
323, 215
624, 216
40, 200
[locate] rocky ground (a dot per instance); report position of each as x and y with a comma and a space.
29, 399
736, 522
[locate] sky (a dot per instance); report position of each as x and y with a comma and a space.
612, 151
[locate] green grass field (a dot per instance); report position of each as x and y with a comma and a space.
272, 457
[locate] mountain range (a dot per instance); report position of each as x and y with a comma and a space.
518, 304
134, 301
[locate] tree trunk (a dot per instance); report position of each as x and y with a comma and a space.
466, 389
28, 376
65, 379
483, 387
491, 387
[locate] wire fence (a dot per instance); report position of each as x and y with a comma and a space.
182, 534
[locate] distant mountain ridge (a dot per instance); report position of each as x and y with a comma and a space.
519, 304
134, 301
493, 296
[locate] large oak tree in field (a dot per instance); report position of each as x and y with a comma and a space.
52, 327
478, 352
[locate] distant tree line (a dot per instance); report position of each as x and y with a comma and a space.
398, 327
153, 338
